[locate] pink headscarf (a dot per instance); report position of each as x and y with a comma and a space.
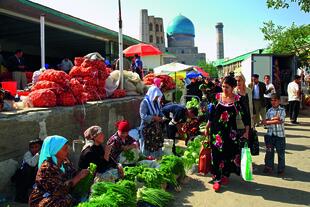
157, 82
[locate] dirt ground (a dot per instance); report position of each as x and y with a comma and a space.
265, 191
293, 189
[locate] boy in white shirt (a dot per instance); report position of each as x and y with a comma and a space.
24, 176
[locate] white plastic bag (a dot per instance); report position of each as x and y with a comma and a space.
124, 160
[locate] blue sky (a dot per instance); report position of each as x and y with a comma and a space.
241, 18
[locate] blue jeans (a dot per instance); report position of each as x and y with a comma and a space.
271, 143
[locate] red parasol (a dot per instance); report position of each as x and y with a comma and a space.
142, 50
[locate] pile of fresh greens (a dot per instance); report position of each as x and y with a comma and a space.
191, 154
155, 197
170, 167
151, 177
108, 194
83, 187
132, 172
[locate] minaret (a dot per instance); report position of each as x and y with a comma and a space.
219, 40
144, 26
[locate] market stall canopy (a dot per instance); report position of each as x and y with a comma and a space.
172, 67
193, 74
142, 50
201, 71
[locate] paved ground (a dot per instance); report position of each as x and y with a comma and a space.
291, 190
265, 191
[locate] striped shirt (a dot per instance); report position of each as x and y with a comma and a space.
276, 129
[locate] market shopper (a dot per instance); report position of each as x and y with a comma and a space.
17, 65
222, 130
151, 138
294, 98
24, 177
55, 178
245, 94
95, 151
121, 141
258, 91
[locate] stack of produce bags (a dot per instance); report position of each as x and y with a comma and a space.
92, 74
85, 82
167, 82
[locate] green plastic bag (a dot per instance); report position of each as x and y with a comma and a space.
246, 163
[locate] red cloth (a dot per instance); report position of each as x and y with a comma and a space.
122, 126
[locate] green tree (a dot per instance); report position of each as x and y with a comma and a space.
278, 4
288, 40
209, 68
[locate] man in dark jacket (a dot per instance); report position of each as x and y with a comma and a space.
17, 67
258, 91
174, 114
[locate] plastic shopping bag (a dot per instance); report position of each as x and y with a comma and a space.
246, 163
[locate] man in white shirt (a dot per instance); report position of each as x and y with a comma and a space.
270, 89
294, 93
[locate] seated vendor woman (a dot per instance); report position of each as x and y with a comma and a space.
94, 151
54, 178
121, 141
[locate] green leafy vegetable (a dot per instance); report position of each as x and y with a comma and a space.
172, 166
83, 187
129, 154
156, 197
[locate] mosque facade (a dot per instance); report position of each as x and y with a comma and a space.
180, 39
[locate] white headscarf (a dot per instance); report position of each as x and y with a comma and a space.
151, 94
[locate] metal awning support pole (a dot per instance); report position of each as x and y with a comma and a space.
120, 45
42, 35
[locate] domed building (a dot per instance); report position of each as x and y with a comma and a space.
181, 41
180, 36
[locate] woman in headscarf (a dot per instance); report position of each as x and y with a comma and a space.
151, 138
94, 151
121, 141
54, 179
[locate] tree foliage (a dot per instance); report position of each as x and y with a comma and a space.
278, 4
288, 40
209, 68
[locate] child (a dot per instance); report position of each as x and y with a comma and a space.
24, 177
275, 137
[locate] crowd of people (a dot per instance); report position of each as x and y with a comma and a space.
231, 109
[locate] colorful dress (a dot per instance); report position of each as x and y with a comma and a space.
225, 143
116, 142
50, 188
151, 133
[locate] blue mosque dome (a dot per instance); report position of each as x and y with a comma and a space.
181, 25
